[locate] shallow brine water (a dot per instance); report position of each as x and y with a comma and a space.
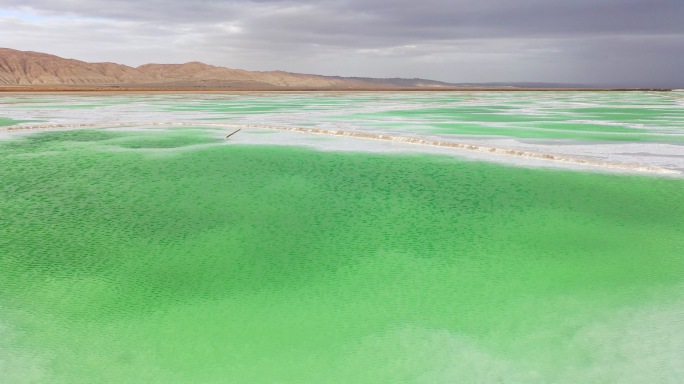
155, 253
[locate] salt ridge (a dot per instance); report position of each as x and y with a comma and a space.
383, 137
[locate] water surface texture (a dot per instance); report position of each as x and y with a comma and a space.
630, 128
167, 254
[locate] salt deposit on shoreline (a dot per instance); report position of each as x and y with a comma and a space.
584, 157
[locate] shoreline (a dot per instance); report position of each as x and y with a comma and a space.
135, 89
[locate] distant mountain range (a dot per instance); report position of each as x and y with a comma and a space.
28, 69
35, 69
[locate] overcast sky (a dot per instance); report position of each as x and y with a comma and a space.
620, 42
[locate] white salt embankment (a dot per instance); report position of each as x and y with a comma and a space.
492, 150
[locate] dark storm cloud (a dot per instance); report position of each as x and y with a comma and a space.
441, 18
532, 17
457, 40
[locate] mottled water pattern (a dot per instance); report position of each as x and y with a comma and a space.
639, 128
160, 254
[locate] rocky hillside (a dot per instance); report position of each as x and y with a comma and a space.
25, 68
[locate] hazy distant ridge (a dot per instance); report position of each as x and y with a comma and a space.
41, 69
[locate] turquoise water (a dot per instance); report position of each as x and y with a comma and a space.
649, 116
168, 254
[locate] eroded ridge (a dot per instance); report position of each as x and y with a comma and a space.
372, 136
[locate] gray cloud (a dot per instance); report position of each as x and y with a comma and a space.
635, 42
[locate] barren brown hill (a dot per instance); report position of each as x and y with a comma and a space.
25, 68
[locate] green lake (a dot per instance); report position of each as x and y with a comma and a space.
167, 254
